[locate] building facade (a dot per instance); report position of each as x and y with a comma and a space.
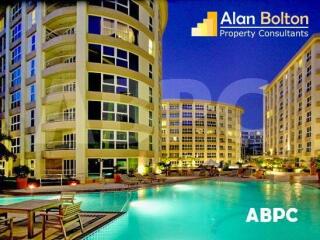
292, 106
252, 143
194, 131
80, 85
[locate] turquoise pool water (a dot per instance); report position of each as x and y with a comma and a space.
204, 210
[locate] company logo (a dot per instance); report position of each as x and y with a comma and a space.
272, 215
208, 28
266, 24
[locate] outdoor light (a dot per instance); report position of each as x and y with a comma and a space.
73, 183
31, 186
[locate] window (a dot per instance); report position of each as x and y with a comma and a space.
2, 84
32, 68
199, 115
113, 56
128, 7
32, 93
308, 56
113, 112
150, 95
308, 134
31, 18
32, 43
15, 11
150, 143
16, 55
186, 130
308, 119
32, 143
150, 119
112, 139
187, 107
150, 71
32, 118
2, 64
16, 77
15, 145
150, 24
16, 32
187, 114
308, 104
299, 78
186, 123
15, 99
15, 122
308, 71
308, 149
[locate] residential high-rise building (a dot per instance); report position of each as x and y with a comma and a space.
80, 85
194, 131
252, 143
292, 106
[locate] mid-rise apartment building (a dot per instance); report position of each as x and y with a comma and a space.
252, 143
194, 131
80, 85
292, 106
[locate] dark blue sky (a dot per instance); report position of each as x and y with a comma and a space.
218, 62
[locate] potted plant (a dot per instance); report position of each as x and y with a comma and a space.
21, 173
117, 174
317, 162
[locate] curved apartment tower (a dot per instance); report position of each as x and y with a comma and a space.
80, 85
194, 131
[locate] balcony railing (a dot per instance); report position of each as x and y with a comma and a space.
60, 145
61, 59
50, 34
59, 88
61, 117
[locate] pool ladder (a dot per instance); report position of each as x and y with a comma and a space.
127, 203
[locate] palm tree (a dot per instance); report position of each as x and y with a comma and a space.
5, 153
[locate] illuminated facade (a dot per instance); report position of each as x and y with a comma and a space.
194, 131
80, 85
292, 107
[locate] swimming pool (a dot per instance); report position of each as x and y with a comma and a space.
204, 210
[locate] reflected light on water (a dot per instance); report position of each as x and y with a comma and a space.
151, 207
183, 187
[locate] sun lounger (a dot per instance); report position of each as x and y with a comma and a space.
157, 178
142, 179
129, 181
68, 215
6, 224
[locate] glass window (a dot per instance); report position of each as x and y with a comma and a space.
16, 55
15, 99
31, 118
16, 32
15, 122
15, 145
94, 110
32, 68
94, 24
15, 11
32, 93
94, 53
32, 43
16, 77
94, 167
94, 139
31, 18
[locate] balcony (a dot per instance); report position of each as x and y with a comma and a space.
62, 36
60, 121
60, 4
59, 149
60, 145
60, 64
60, 92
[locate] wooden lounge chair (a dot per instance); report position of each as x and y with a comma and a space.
233, 173
66, 217
142, 179
66, 198
129, 181
157, 178
6, 224
260, 174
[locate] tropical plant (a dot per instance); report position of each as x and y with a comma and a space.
5, 153
165, 166
21, 171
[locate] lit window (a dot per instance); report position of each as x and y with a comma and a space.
31, 18
16, 77
16, 55
15, 11
16, 32
150, 48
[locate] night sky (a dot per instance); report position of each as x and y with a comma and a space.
219, 62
